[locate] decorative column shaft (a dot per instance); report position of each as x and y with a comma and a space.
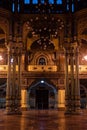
13, 92
72, 88
77, 84
72, 83
8, 89
10, 92
67, 91
19, 79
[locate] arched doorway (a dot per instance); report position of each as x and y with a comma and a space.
3, 84
83, 93
83, 96
42, 95
42, 98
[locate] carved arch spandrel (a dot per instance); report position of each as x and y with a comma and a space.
49, 81
4, 25
40, 54
82, 25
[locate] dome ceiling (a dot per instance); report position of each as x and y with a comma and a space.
45, 26
42, 44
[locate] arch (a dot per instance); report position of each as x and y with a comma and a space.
3, 84
42, 57
42, 61
1, 31
39, 55
49, 83
83, 96
2, 36
42, 94
82, 86
42, 44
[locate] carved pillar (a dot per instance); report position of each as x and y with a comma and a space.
18, 94
72, 88
72, 80
10, 92
77, 84
9, 86
13, 92
67, 90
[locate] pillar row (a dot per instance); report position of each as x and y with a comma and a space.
72, 88
13, 92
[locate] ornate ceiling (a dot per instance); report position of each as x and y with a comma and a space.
45, 26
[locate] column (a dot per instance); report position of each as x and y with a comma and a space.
13, 92
67, 89
8, 89
61, 99
24, 99
22, 62
72, 83
77, 84
18, 94
72, 91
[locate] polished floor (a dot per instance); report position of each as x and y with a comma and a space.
43, 120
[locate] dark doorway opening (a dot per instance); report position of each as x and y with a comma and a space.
42, 99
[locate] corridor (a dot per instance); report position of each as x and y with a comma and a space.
43, 120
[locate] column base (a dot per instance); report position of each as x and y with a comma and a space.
24, 108
61, 108
13, 112
77, 112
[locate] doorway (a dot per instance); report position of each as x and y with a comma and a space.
42, 97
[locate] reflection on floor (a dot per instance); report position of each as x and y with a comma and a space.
43, 120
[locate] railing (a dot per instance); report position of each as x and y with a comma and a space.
82, 69
43, 68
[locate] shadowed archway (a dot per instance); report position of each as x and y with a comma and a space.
42, 95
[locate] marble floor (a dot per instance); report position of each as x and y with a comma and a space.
43, 120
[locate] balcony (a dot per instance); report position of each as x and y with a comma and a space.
42, 68
48, 70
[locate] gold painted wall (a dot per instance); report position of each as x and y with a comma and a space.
56, 43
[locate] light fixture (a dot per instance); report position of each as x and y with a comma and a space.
42, 81
1, 58
85, 57
11, 60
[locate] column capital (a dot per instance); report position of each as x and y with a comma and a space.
71, 45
